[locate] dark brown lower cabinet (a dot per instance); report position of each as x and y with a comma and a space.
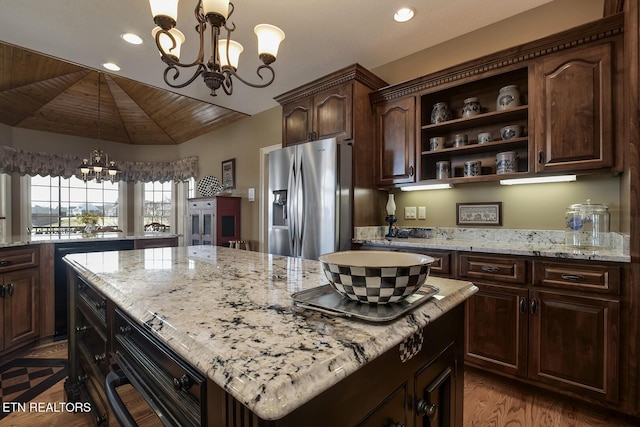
557, 326
435, 387
574, 343
496, 327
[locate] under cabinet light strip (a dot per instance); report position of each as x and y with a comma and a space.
538, 180
427, 187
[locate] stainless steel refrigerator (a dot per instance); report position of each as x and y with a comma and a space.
310, 207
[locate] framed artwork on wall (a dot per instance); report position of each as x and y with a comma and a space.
229, 174
479, 213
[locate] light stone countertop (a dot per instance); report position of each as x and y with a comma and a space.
538, 243
34, 239
230, 314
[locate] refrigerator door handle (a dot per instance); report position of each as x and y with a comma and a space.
291, 202
301, 206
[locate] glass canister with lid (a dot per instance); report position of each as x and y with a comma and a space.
587, 225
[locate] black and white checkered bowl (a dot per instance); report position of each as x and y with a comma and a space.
376, 277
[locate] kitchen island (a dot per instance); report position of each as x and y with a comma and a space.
247, 354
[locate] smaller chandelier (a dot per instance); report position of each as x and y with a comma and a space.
98, 167
221, 64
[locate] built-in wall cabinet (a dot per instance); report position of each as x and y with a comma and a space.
337, 106
570, 88
213, 220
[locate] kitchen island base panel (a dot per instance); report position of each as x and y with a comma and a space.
386, 391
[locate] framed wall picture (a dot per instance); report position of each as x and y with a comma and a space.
479, 213
229, 174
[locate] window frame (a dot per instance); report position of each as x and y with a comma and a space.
26, 211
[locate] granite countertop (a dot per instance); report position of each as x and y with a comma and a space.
231, 315
539, 243
31, 239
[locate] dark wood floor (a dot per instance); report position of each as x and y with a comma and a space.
488, 402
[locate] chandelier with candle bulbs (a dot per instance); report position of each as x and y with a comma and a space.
221, 61
98, 166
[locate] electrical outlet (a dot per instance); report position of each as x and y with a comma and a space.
422, 212
410, 212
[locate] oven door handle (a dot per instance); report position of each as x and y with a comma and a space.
116, 379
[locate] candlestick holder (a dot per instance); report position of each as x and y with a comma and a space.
391, 219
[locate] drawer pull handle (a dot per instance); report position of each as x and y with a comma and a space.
423, 408
99, 358
83, 378
81, 329
10, 289
490, 268
183, 383
101, 305
534, 306
5, 262
2, 291
523, 305
573, 277
125, 330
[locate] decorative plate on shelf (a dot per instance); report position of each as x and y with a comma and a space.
209, 185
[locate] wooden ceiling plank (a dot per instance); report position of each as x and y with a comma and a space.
43, 93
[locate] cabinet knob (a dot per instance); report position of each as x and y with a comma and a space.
182, 383
424, 408
5, 262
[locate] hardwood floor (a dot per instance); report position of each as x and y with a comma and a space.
135, 403
488, 402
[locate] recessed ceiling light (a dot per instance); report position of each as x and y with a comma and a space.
111, 66
131, 38
405, 14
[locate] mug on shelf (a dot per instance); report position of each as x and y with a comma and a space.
443, 169
484, 137
460, 140
506, 162
472, 168
436, 143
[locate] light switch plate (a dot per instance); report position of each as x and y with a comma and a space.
410, 212
422, 212
252, 194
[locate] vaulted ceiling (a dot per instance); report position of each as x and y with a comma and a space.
42, 93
